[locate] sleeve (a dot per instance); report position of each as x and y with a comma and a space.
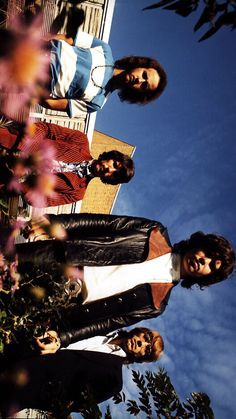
104, 326
63, 194
79, 108
94, 225
61, 198
41, 130
49, 252
86, 40
67, 135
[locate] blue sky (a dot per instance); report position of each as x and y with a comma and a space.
185, 177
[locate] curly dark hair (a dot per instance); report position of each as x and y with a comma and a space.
138, 96
214, 246
156, 340
123, 174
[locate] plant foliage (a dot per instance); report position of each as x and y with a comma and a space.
157, 398
215, 14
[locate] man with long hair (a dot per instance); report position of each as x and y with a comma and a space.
93, 367
125, 268
73, 166
83, 74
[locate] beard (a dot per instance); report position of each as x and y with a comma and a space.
93, 168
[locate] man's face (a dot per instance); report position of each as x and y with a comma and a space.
139, 344
143, 79
106, 168
195, 263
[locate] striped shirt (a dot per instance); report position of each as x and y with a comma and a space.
71, 70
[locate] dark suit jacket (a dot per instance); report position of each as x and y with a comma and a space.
53, 380
70, 146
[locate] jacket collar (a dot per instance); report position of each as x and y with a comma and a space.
160, 293
158, 244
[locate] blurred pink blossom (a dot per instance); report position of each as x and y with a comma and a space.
32, 172
23, 66
43, 188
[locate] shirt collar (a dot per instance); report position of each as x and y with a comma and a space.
88, 169
116, 349
175, 270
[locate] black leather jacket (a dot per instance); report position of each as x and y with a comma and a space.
93, 240
103, 316
99, 240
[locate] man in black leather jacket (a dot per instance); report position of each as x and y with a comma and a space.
101, 240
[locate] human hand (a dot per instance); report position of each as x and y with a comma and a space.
49, 343
37, 229
42, 229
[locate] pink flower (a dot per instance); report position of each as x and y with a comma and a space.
43, 188
42, 159
14, 185
57, 231
32, 172
23, 67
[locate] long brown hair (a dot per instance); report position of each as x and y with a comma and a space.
137, 96
214, 246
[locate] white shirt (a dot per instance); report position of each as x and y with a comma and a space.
104, 281
99, 344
